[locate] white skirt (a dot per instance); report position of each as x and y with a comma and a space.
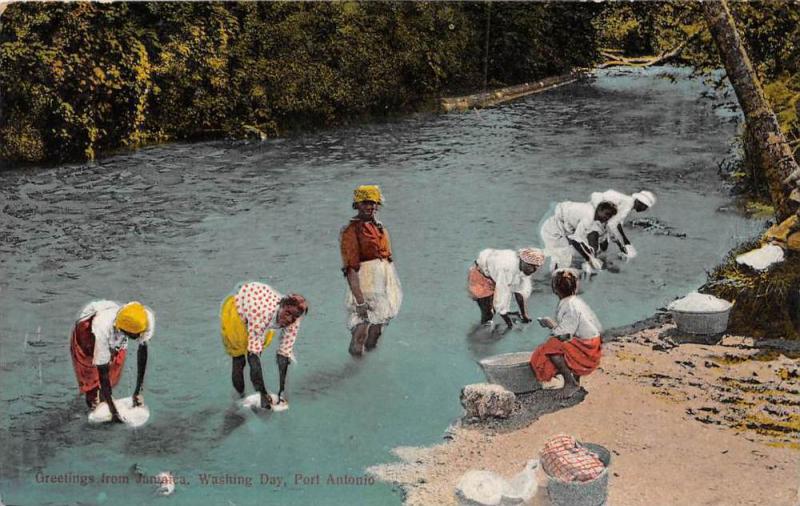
556, 245
382, 292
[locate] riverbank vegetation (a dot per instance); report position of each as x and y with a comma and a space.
767, 303
79, 79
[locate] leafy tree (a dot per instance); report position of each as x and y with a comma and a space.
80, 78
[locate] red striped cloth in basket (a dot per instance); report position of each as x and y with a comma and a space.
566, 459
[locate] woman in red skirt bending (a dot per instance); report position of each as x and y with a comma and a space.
99, 344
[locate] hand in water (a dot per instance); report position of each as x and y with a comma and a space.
266, 401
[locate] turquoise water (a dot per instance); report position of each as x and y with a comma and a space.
178, 226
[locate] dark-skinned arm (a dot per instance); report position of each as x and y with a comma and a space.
105, 392
588, 252
625, 240
582, 249
141, 367
355, 285
350, 250
283, 368
257, 378
523, 313
594, 240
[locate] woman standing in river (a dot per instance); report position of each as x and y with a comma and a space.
374, 293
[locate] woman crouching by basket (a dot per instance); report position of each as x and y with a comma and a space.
574, 348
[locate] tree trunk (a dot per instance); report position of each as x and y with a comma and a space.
774, 155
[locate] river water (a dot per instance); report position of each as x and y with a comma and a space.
178, 226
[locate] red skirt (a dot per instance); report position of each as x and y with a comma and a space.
581, 355
81, 348
479, 286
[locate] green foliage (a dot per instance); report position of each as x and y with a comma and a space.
513, 58
647, 28
772, 32
71, 84
82, 78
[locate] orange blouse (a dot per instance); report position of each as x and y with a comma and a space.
362, 241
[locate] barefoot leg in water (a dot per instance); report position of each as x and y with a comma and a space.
487, 311
237, 374
358, 339
373, 334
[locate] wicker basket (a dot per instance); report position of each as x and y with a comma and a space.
511, 371
706, 323
581, 493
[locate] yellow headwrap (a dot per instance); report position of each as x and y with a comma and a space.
132, 318
368, 192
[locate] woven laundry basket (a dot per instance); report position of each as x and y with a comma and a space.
581, 493
511, 371
701, 323
701, 314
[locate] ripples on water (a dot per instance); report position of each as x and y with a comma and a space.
178, 226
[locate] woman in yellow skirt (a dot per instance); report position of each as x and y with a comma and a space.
249, 319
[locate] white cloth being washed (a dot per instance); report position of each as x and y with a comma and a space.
762, 258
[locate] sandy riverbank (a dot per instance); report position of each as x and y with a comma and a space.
690, 424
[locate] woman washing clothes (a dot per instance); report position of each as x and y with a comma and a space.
639, 202
499, 273
374, 293
249, 320
99, 344
574, 348
576, 227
